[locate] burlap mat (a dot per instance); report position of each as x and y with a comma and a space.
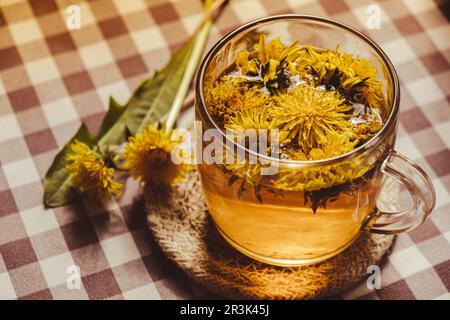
183, 229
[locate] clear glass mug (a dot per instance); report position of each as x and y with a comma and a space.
296, 226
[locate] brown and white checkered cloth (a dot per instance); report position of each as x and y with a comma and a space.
52, 78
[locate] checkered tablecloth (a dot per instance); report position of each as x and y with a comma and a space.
52, 78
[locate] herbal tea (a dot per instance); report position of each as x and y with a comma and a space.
322, 104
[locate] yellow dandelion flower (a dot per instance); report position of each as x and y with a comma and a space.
270, 60
335, 145
251, 99
353, 75
90, 173
308, 115
301, 64
226, 97
249, 118
253, 124
275, 56
221, 97
148, 156
373, 95
364, 131
323, 177
244, 64
271, 73
275, 50
293, 153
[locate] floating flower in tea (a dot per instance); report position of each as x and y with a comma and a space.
272, 65
250, 119
232, 94
308, 115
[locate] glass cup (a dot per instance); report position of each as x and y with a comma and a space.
299, 223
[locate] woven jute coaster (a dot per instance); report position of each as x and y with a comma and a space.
181, 225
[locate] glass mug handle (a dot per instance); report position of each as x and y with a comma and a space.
417, 182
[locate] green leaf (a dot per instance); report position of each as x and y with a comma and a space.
113, 129
58, 187
149, 102
168, 87
155, 96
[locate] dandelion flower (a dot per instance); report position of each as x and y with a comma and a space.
364, 131
275, 58
355, 76
272, 64
294, 153
308, 115
222, 97
148, 156
245, 65
227, 97
276, 51
335, 145
90, 173
254, 126
249, 119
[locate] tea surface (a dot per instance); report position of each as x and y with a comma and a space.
324, 103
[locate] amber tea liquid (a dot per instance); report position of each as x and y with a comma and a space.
282, 230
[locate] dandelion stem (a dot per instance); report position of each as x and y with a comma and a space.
201, 33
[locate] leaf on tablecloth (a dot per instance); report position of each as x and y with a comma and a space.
58, 187
150, 101
155, 96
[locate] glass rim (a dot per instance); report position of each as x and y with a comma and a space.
389, 123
